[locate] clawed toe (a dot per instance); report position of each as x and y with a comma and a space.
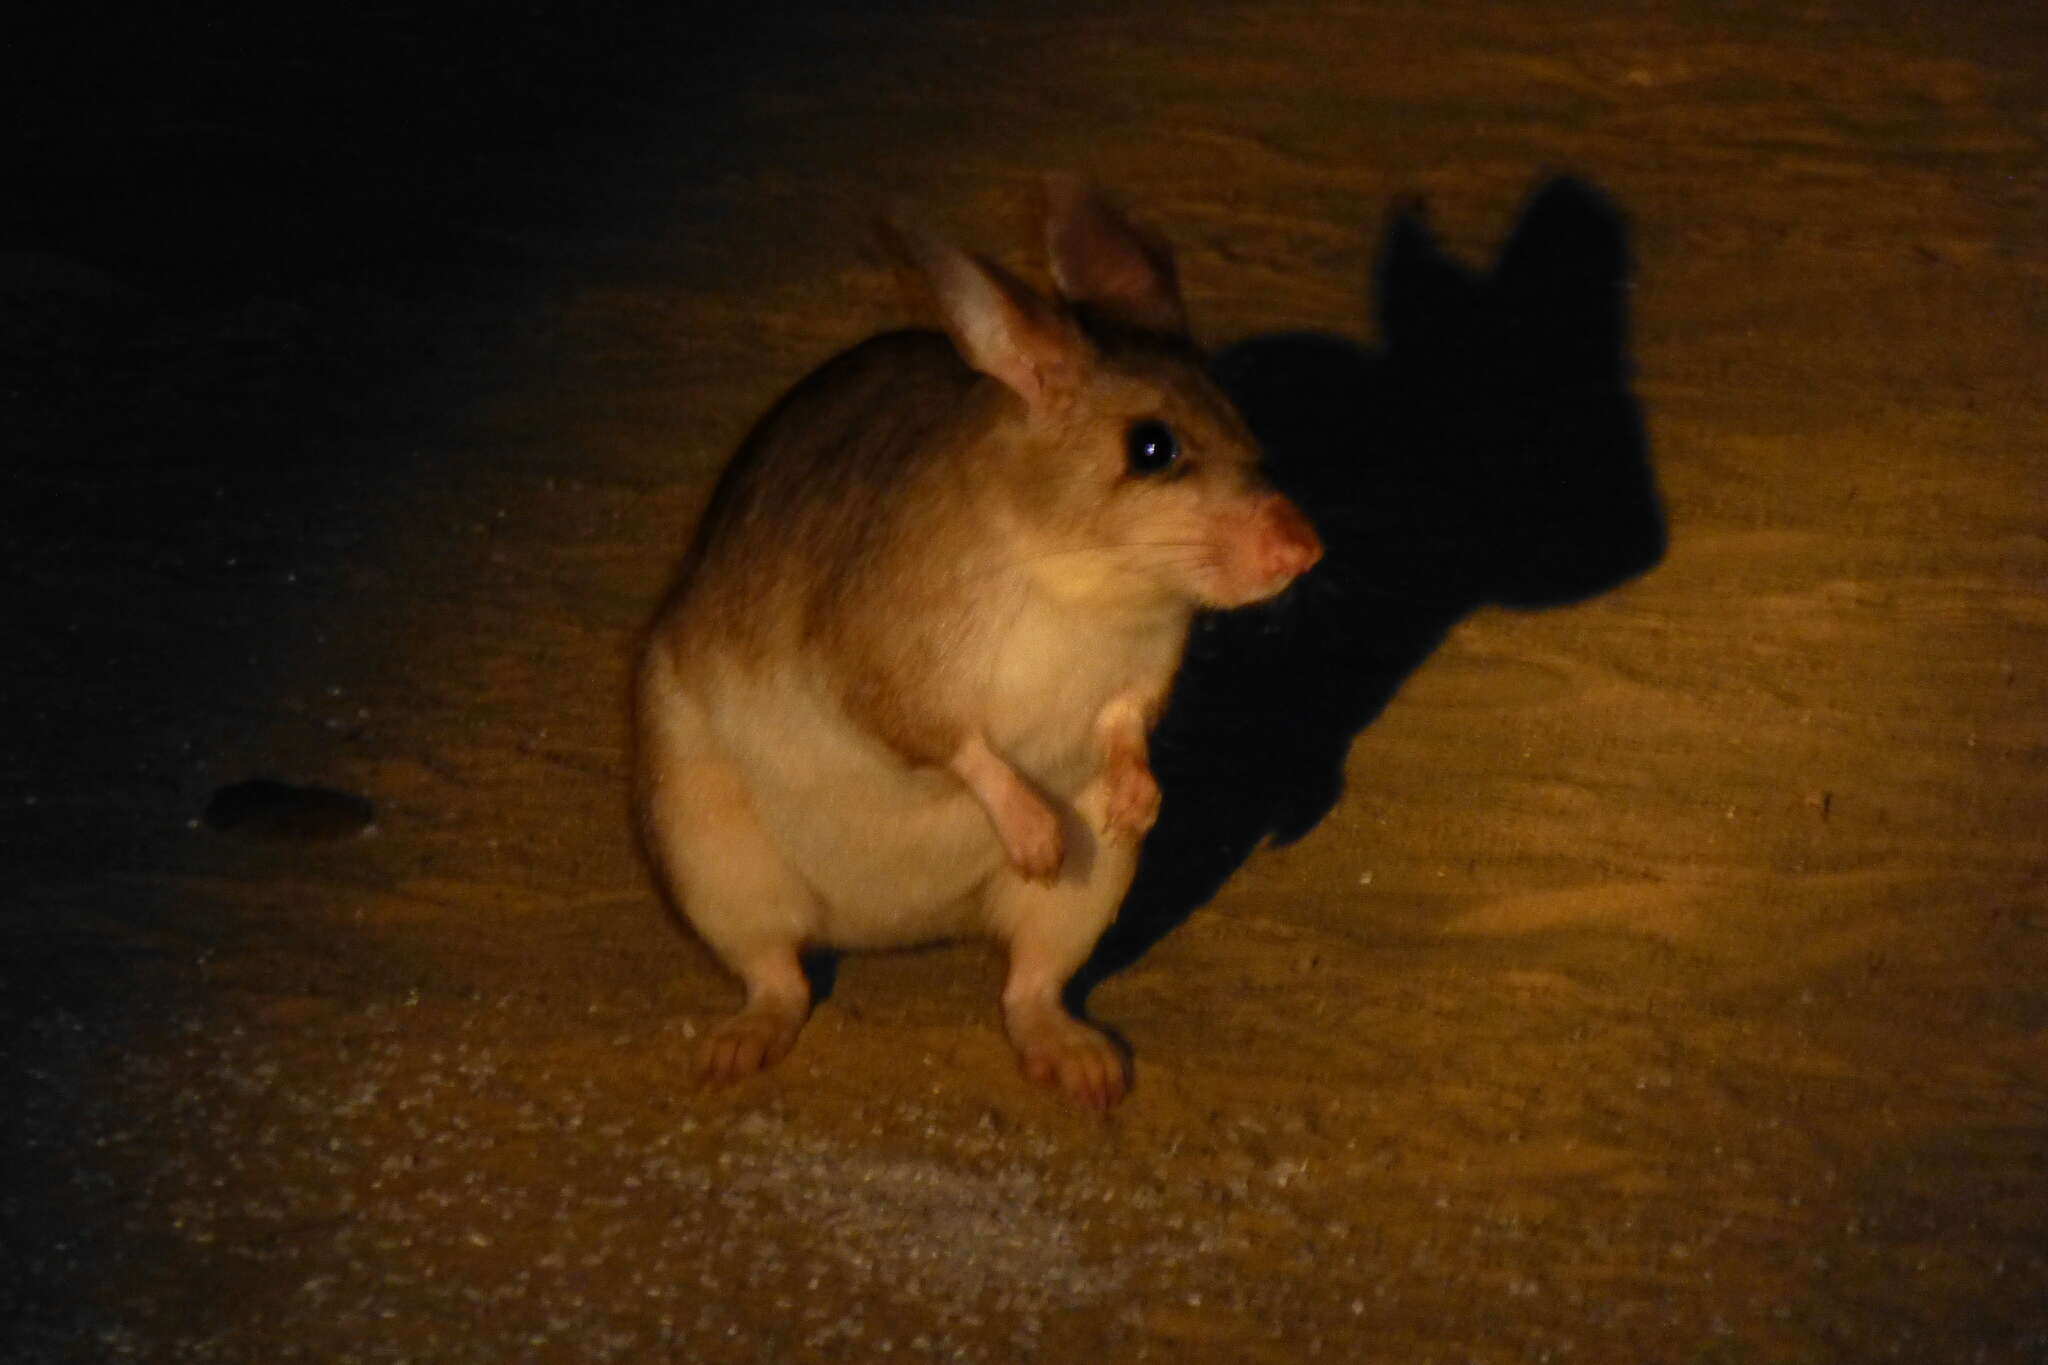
1134, 807
1080, 1061
1035, 846
743, 1045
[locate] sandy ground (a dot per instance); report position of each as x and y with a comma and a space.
1662, 976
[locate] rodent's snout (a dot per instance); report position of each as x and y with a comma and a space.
1266, 546
1285, 545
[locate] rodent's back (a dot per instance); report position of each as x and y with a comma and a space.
815, 490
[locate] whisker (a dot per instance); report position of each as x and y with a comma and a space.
1194, 551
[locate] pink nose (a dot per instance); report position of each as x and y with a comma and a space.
1286, 545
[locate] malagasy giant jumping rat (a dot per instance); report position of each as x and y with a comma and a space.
903, 688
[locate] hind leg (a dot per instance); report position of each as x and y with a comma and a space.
734, 886
1049, 931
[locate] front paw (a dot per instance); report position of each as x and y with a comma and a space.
1133, 803
1030, 831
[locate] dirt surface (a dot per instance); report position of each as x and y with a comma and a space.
1665, 979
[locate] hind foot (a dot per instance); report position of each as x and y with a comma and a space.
748, 1042
1078, 1059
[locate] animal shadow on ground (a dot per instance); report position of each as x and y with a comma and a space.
1488, 451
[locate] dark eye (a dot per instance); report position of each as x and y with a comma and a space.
1150, 446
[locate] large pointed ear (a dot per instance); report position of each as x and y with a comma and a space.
1000, 326
1109, 264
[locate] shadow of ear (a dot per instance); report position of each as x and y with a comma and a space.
1489, 451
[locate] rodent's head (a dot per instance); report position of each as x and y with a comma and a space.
1132, 479
1142, 483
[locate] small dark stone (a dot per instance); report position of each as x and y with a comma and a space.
283, 811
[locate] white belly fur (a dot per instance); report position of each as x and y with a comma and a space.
896, 855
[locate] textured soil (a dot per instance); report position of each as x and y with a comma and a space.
1603, 916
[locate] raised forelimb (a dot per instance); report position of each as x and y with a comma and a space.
1026, 824
1133, 804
